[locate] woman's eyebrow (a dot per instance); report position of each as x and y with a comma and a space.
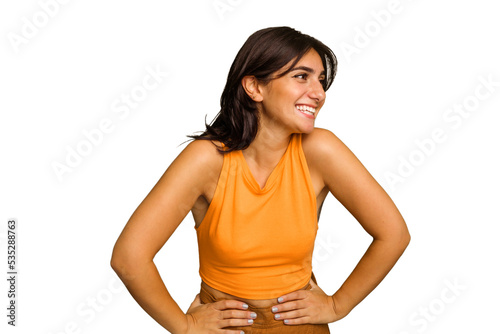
305, 68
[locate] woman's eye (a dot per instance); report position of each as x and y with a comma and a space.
301, 76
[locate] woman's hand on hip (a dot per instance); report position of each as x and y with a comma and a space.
213, 317
306, 307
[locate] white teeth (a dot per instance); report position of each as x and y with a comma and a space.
307, 109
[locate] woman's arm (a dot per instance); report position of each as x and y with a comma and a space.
354, 187
346, 178
193, 173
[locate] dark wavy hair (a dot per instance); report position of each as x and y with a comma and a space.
264, 53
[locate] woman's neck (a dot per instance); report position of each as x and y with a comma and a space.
268, 147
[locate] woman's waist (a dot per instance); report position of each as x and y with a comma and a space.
253, 303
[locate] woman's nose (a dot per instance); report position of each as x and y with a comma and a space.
317, 92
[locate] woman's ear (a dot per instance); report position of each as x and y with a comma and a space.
252, 87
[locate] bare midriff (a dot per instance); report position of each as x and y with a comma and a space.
253, 302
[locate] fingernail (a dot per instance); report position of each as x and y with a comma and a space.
280, 299
276, 316
250, 321
285, 321
242, 332
253, 315
274, 309
245, 306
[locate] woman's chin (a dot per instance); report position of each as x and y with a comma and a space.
307, 128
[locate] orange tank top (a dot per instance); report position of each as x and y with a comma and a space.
257, 243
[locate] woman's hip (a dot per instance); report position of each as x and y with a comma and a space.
265, 322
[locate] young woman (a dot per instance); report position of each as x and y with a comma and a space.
255, 182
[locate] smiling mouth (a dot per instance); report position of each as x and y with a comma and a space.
306, 109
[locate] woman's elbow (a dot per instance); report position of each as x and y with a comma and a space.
117, 261
404, 238
123, 264
398, 238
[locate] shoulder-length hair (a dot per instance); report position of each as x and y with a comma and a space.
264, 53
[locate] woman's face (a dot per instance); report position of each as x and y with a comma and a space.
292, 102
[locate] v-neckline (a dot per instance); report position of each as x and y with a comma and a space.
272, 176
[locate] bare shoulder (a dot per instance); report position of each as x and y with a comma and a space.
201, 162
203, 152
321, 145
330, 158
202, 159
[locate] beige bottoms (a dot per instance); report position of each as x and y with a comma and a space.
265, 322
